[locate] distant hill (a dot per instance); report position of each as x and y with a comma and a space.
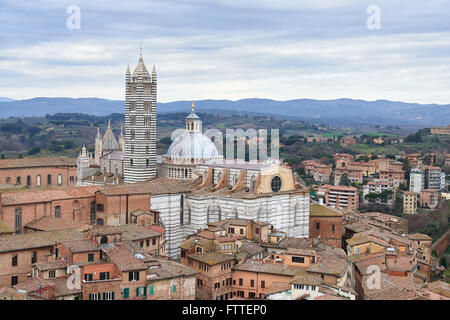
5, 99
340, 111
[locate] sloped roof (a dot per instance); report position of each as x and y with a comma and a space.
37, 239
316, 210
109, 142
37, 162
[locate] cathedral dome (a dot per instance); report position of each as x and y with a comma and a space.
192, 145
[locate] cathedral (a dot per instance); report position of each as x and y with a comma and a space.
192, 185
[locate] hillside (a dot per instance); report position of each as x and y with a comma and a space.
343, 112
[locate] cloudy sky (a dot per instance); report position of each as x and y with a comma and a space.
228, 49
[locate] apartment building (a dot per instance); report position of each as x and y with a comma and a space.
353, 174
409, 202
319, 171
416, 180
434, 178
341, 196
429, 198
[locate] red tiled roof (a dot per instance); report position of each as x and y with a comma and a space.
46, 195
37, 162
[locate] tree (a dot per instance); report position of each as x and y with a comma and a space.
345, 181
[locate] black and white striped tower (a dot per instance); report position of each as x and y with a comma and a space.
140, 124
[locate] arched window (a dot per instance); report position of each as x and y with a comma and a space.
38, 180
219, 175
59, 179
18, 180
214, 213
28, 180
100, 222
104, 239
297, 214
92, 212
276, 184
17, 220
252, 184
57, 212
8, 179
49, 180
235, 179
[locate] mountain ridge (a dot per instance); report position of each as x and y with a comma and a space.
344, 111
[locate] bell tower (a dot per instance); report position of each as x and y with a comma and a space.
140, 124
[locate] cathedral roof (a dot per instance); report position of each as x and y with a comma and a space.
109, 142
193, 145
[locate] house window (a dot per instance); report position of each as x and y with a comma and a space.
88, 277
251, 295
18, 180
133, 276
174, 288
14, 260
153, 241
141, 291
90, 257
28, 180
126, 293
263, 284
298, 259
51, 274
34, 257
141, 244
151, 290
240, 281
57, 212
38, 180
241, 231
252, 283
94, 296
100, 207
256, 230
108, 295
14, 280
332, 227
317, 226
49, 179
59, 179
147, 242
